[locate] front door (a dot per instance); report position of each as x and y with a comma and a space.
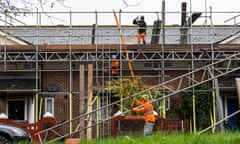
232, 106
16, 109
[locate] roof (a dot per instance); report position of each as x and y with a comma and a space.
232, 39
8, 39
77, 35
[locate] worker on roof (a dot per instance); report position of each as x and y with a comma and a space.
146, 107
115, 66
142, 26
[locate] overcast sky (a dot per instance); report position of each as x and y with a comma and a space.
225, 9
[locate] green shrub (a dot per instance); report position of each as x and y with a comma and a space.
203, 102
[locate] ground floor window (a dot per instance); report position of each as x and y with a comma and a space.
49, 105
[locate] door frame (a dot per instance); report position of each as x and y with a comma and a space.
25, 106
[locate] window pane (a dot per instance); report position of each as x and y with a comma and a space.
49, 106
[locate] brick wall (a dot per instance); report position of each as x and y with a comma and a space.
61, 100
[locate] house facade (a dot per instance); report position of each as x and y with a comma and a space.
59, 68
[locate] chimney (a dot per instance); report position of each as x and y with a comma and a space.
183, 29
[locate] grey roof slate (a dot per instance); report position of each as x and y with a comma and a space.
109, 34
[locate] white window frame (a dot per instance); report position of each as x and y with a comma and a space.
46, 106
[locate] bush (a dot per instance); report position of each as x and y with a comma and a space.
203, 104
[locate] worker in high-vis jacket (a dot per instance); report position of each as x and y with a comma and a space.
146, 107
115, 66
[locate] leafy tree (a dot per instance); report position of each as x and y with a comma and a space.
203, 101
124, 87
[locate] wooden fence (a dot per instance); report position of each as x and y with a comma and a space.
33, 128
123, 124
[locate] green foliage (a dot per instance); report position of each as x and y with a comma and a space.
203, 99
174, 112
125, 87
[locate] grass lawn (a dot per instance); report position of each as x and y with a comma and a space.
160, 138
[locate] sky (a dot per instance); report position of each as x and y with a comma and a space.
101, 11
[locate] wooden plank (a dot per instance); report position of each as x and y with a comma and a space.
85, 47
125, 50
81, 97
90, 95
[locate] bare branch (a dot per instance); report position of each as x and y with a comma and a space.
13, 8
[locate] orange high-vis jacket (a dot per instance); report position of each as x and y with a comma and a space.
115, 67
146, 108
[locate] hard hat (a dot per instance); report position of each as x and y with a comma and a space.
113, 56
145, 96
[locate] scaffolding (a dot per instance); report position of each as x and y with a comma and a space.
80, 45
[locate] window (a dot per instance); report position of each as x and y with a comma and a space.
49, 105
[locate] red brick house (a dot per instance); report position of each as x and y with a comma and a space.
48, 71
